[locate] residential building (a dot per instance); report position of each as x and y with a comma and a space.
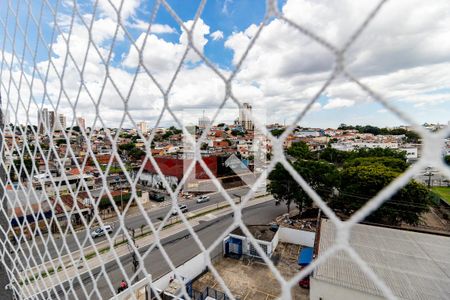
46, 120
245, 114
142, 126
81, 123
61, 124
203, 121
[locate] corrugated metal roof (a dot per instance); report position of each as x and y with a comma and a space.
414, 265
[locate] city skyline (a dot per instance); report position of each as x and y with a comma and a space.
414, 83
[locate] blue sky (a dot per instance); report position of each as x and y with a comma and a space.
408, 66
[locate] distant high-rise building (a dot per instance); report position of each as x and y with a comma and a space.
46, 120
203, 121
244, 120
81, 122
142, 126
61, 125
51, 120
6, 120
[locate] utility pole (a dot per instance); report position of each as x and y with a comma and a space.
429, 174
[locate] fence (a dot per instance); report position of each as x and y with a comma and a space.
42, 57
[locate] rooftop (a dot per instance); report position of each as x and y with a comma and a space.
413, 265
260, 232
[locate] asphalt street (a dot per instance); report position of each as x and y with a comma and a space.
180, 248
48, 248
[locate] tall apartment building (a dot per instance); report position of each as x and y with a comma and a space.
203, 121
142, 126
81, 122
46, 120
61, 124
244, 120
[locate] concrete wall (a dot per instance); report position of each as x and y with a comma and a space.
298, 237
189, 270
155, 181
276, 240
144, 197
321, 290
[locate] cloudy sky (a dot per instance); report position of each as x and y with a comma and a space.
51, 59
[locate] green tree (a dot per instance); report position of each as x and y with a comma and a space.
59, 142
447, 160
136, 153
127, 147
321, 176
22, 168
277, 132
76, 128
283, 187
362, 182
395, 164
377, 152
333, 155
299, 150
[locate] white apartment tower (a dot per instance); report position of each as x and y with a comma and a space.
142, 126
81, 122
61, 122
245, 120
203, 121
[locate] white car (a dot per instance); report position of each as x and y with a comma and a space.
101, 231
202, 199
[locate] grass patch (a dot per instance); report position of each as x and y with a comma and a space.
443, 192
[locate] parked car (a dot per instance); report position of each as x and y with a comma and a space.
183, 209
101, 231
202, 199
157, 197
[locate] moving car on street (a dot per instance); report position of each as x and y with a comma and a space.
183, 209
101, 231
202, 199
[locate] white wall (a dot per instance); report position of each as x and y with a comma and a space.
188, 270
154, 180
298, 237
321, 290
275, 240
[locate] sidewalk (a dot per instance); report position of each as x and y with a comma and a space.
68, 270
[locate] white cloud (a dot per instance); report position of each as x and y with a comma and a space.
155, 28
400, 55
225, 6
217, 35
338, 103
128, 8
161, 56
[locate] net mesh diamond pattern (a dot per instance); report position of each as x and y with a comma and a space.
54, 264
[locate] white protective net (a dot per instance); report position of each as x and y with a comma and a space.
60, 258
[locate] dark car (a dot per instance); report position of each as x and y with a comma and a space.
157, 197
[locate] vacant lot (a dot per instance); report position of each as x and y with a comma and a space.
443, 192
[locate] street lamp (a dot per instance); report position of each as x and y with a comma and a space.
239, 196
429, 174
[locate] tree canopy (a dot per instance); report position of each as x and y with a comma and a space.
410, 136
362, 182
347, 180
